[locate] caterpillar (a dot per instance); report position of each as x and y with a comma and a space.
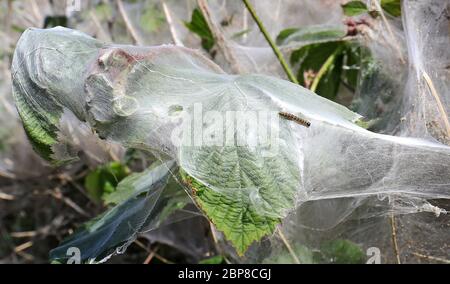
294, 118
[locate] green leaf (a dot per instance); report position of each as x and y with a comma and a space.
324, 61
245, 196
145, 209
392, 7
321, 66
104, 179
354, 8
218, 259
240, 224
199, 26
284, 34
40, 127
241, 33
311, 34
39, 108
340, 252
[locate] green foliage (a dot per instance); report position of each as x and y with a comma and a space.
354, 8
312, 58
152, 19
40, 127
199, 26
329, 61
310, 34
239, 223
241, 33
54, 21
285, 34
103, 180
218, 259
340, 252
392, 7
232, 212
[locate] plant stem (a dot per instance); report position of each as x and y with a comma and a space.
443, 260
272, 44
323, 69
172, 29
391, 34
394, 239
288, 246
438, 102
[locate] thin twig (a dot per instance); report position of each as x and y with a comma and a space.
219, 38
37, 13
169, 21
272, 44
9, 16
150, 256
391, 34
443, 260
288, 246
394, 239
216, 242
44, 231
438, 101
68, 179
23, 246
5, 196
157, 256
58, 195
134, 34
7, 175
99, 26
25, 234
25, 255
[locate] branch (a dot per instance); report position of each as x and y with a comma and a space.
169, 20
136, 38
391, 34
430, 257
288, 246
438, 101
220, 39
394, 239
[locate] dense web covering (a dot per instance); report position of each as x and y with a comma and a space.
291, 192
140, 97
